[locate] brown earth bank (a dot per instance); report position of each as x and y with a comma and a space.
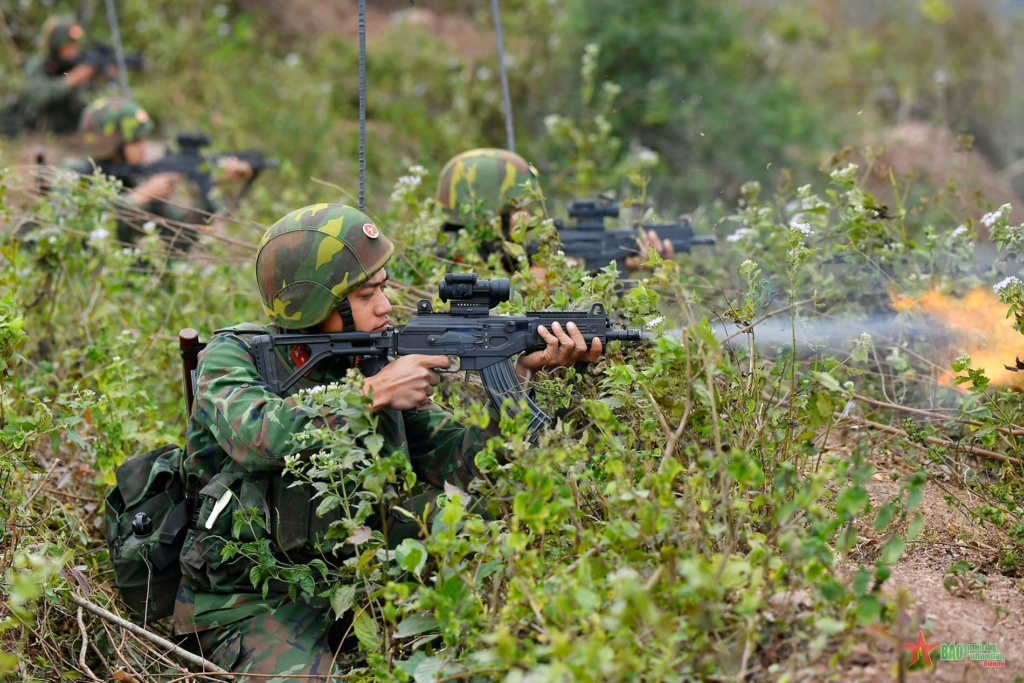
296, 20
984, 607
933, 156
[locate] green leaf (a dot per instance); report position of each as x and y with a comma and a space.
342, 600
75, 438
829, 626
415, 624
366, 632
426, 670
373, 443
868, 609
411, 556
914, 528
892, 550
409, 665
852, 501
827, 381
885, 515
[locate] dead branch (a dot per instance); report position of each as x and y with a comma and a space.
204, 664
888, 429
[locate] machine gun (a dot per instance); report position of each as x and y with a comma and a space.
193, 164
102, 56
483, 342
589, 240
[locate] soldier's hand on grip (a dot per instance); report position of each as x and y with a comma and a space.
406, 383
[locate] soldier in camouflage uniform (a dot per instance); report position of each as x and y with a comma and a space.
319, 269
478, 184
57, 85
114, 131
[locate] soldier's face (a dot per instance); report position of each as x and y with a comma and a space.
69, 52
135, 152
370, 307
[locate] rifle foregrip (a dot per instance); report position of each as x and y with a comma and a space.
501, 383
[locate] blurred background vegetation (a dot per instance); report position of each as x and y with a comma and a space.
723, 91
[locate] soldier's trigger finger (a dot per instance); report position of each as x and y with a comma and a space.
437, 362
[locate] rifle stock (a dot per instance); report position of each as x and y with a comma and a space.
483, 343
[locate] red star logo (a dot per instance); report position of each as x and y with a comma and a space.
920, 649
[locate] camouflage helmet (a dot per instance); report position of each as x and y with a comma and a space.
109, 123
491, 179
60, 30
312, 258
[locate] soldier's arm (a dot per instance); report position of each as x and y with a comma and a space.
42, 88
442, 450
254, 426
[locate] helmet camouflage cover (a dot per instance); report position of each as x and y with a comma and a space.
312, 258
109, 123
60, 30
492, 180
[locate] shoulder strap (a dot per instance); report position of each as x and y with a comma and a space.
243, 329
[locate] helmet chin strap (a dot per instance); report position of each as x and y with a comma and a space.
344, 308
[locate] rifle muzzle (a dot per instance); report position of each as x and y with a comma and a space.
631, 336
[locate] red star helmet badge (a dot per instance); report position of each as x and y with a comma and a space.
371, 231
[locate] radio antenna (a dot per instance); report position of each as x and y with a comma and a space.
115, 35
509, 130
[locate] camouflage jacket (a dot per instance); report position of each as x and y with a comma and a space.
46, 102
239, 435
176, 223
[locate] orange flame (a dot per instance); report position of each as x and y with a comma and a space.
980, 328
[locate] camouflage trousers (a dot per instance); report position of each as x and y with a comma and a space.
292, 640
284, 638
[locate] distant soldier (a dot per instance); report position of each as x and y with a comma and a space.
478, 185
115, 132
57, 84
475, 187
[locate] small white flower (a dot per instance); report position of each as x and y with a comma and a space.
551, 121
224, 29
98, 235
647, 156
989, 218
1004, 283
802, 228
221, 10
483, 73
148, 227
293, 59
960, 230
740, 234
409, 181
417, 170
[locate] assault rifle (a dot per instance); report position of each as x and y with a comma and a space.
587, 238
193, 164
102, 56
483, 342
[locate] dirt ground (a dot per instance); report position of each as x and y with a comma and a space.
985, 609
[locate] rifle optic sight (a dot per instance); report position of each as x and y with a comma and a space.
464, 290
